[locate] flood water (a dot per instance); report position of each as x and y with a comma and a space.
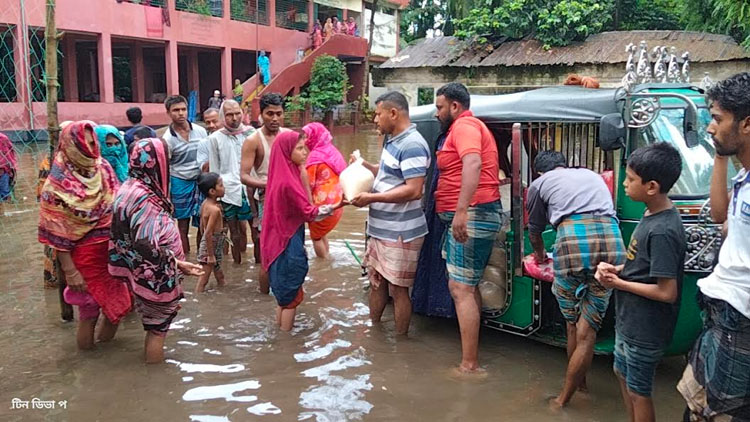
226, 361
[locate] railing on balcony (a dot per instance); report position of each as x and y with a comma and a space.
152, 3
292, 14
253, 11
202, 7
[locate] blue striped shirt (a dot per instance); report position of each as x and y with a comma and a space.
405, 156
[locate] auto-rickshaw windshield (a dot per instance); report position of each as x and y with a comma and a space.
697, 162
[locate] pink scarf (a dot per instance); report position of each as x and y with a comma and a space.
321, 149
286, 206
8, 158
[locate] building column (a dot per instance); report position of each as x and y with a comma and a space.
106, 78
227, 10
271, 8
310, 17
193, 74
226, 72
70, 68
173, 68
20, 58
138, 73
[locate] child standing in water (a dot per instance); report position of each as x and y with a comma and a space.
287, 209
211, 248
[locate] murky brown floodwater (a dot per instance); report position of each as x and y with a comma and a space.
228, 362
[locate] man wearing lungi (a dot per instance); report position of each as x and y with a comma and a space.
467, 200
183, 139
716, 382
577, 202
396, 222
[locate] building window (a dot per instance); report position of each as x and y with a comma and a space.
253, 11
292, 14
425, 96
7, 66
202, 7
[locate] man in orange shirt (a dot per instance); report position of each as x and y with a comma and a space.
468, 202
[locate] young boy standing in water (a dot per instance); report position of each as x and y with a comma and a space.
211, 248
648, 286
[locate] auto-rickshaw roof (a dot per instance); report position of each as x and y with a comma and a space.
558, 103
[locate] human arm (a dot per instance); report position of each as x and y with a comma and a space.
537, 210
409, 191
305, 181
247, 163
73, 278
472, 165
665, 289
718, 193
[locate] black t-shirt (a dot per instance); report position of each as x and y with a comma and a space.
656, 250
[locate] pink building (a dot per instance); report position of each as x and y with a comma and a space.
115, 54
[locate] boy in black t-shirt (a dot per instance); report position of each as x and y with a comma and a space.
648, 286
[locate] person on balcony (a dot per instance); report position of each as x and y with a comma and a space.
317, 35
328, 30
351, 27
337, 27
264, 63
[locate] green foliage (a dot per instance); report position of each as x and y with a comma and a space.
513, 19
649, 14
730, 17
571, 20
328, 86
418, 18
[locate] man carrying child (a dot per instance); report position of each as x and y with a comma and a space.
648, 286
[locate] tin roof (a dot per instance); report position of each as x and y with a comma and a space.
606, 47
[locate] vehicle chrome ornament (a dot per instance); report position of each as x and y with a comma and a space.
630, 79
706, 82
643, 111
660, 64
644, 64
686, 67
703, 242
673, 71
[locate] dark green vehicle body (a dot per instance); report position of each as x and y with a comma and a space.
569, 119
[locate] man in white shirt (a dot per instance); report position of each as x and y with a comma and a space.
716, 382
224, 155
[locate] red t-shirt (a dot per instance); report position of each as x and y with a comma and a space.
467, 135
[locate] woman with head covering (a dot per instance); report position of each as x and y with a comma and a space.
75, 214
351, 27
324, 164
328, 30
317, 35
336, 25
8, 167
145, 247
287, 209
113, 149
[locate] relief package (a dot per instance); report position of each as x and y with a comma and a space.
356, 179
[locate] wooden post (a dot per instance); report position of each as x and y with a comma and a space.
51, 36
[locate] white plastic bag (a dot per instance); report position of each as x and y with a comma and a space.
493, 296
356, 179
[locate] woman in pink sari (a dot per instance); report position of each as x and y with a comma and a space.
145, 248
75, 214
324, 164
287, 209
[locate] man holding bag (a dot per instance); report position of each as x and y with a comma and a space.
396, 222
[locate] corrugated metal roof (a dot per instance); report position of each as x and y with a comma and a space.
606, 47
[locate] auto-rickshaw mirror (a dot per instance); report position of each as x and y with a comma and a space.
690, 123
612, 132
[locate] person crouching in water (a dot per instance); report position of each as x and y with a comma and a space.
211, 248
288, 208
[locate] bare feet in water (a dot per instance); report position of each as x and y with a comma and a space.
462, 373
554, 404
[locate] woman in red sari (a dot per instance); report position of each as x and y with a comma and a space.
324, 164
75, 215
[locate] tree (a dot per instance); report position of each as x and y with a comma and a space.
329, 84
729, 17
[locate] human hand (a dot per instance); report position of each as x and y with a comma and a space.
188, 268
255, 222
352, 158
211, 259
459, 224
608, 280
361, 200
607, 268
75, 281
540, 259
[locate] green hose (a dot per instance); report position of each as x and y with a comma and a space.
354, 254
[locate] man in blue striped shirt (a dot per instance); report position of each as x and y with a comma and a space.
396, 222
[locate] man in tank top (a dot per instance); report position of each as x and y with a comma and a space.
254, 167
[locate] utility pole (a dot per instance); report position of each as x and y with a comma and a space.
366, 79
51, 36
